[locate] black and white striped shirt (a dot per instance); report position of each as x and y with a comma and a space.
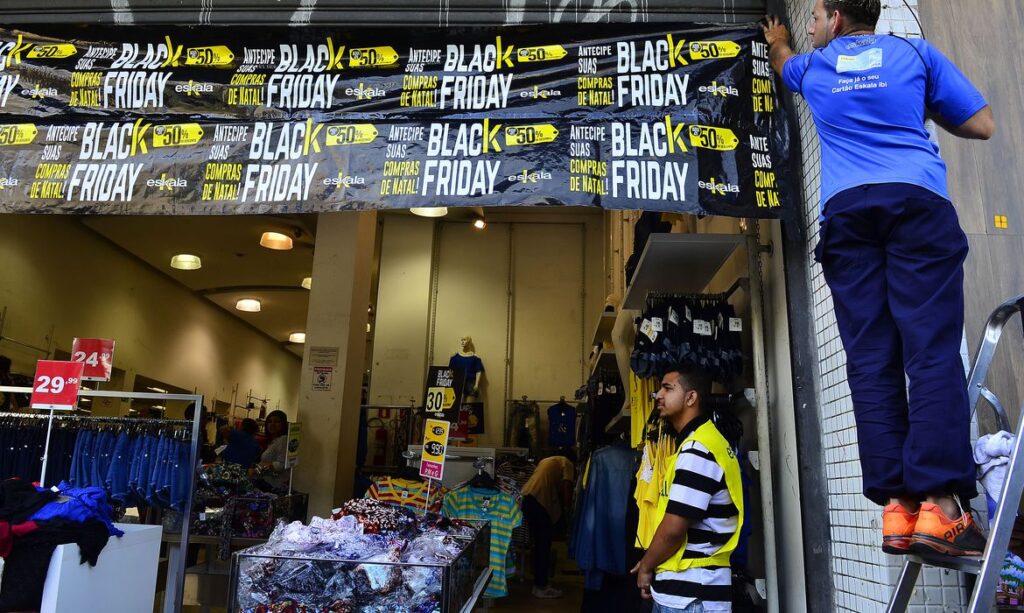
700, 495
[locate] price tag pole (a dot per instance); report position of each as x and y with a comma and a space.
46, 449
55, 387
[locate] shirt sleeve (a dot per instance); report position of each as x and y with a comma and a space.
449, 508
698, 476
793, 72
950, 94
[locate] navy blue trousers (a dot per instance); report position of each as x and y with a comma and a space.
893, 256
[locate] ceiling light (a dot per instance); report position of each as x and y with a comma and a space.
249, 305
297, 337
307, 282
479, 223
431, 211
185, 261
276, 240
158, 390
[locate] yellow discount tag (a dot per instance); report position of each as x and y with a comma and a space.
713, 49
542, 53
517, 136
372, 56
177, 134
55, 52
217, 55
440, 399
708, 137
435, 442
17, 133
351, 134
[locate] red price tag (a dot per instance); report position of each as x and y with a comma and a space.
56, 385
96, 355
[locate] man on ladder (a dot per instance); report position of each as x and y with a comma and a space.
892, 252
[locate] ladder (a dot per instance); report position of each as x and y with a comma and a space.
986, 568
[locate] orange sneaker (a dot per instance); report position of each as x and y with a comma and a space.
937, 533
897, 528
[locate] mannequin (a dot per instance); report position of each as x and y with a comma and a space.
466, 359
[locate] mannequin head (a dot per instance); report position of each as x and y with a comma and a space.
466, 345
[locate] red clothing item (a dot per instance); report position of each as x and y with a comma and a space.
8, 533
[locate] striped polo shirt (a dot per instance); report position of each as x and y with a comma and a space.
700, 495
497, 507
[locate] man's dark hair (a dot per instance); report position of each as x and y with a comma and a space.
857, 12
5, 365
250, 426
694, 378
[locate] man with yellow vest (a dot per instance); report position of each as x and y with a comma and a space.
700, 511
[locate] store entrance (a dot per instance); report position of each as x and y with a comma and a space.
557, 305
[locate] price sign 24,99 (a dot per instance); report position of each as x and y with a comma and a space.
56, 385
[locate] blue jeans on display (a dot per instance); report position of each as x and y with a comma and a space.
693, 607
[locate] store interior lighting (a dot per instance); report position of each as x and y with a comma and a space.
297, 337
430, 211
249, 305
276, 241
479, 223
186, 261
307, 282
158, 390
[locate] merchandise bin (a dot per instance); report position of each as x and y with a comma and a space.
319, 582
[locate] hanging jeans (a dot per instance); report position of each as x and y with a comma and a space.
893, 256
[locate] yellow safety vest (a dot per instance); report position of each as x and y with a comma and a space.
709, 436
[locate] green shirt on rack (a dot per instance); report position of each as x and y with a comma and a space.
497, 507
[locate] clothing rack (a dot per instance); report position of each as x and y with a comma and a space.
175, 563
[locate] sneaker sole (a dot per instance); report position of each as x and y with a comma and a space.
896, 545
926, 543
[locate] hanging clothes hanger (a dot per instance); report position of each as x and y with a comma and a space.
483, 479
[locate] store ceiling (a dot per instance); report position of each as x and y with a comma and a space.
234, 264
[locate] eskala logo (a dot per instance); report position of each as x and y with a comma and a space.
39, 92
365, 93
192, 88
166, 183
718, 90
8, 182
536, 93
530, 176
719, 189
346, 181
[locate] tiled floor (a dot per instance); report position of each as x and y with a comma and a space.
520, 599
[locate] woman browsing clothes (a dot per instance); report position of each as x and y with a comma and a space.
270, 470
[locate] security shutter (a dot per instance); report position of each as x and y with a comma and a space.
375, 12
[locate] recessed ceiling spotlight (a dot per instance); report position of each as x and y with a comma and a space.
307, 282
479, 223
186, 261
431, 211
249, 305
297, 337
276, 241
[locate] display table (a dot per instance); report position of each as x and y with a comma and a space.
123, 580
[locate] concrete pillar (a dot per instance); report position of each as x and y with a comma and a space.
336, 339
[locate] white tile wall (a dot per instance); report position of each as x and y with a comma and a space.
863, 575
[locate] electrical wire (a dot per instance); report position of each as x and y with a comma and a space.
913, 13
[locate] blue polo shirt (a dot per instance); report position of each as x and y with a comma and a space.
868, 95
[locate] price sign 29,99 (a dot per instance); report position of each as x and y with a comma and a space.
56, 384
